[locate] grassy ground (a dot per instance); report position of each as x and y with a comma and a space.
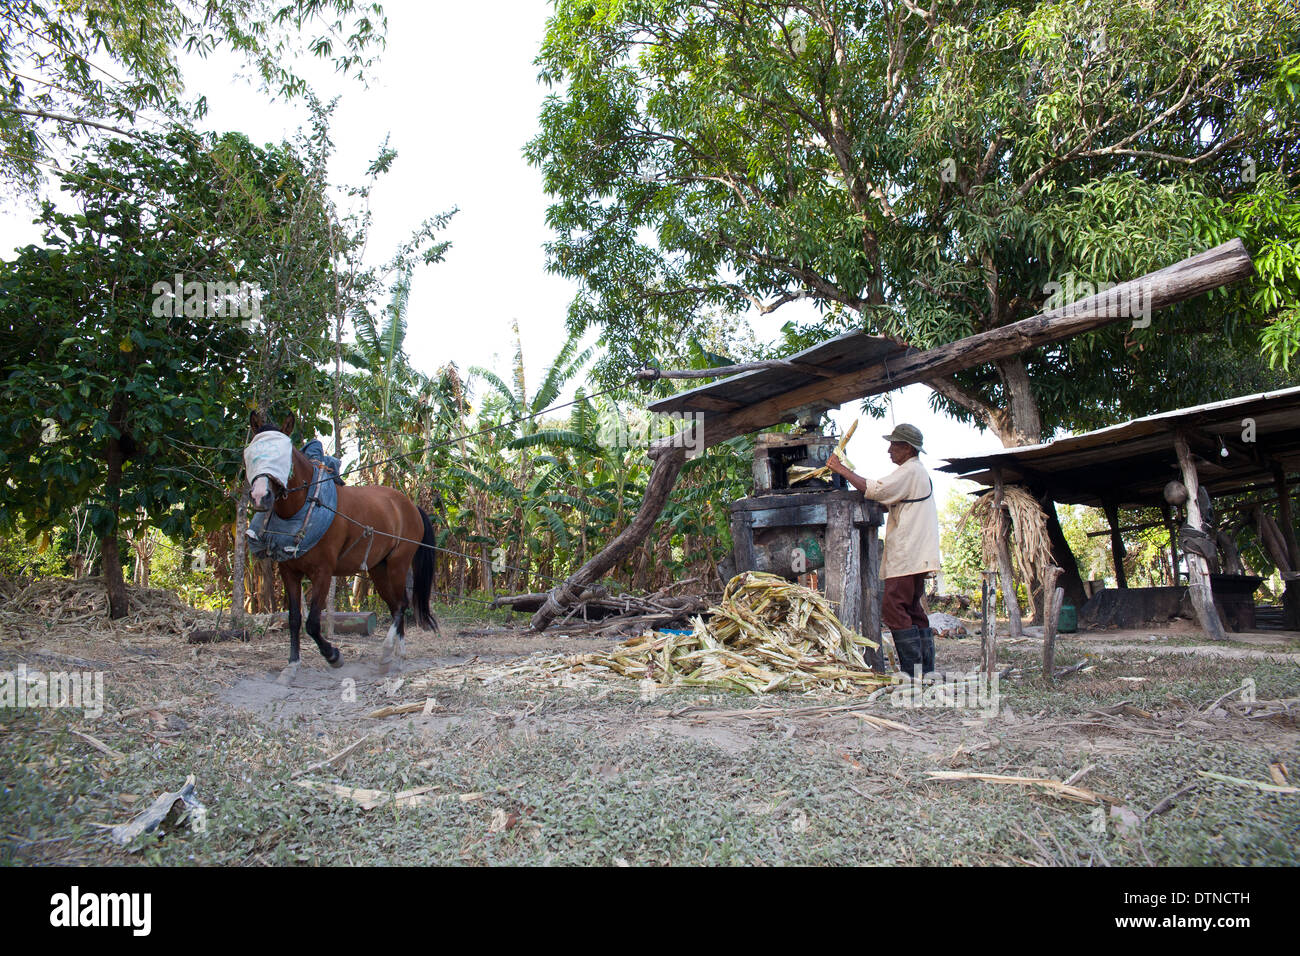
524, 773
568, 776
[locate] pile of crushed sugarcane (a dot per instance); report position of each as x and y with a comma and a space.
766, 634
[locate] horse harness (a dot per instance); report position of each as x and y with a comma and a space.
368, 535
284, 539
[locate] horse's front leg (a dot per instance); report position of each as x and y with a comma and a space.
320, 588
293, 598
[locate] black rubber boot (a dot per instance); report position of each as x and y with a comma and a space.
908, 644
927, 650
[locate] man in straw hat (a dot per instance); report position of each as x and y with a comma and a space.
911, 545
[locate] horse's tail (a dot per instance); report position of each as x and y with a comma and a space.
423, 567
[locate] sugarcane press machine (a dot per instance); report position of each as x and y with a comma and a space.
789, 527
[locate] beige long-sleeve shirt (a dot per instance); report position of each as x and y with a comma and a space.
912, 530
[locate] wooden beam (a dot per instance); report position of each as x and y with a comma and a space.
872, 593
663, 476
1198, 570
722, 371
1211, 269
1172, 528
712, 403
989, 617
843, 555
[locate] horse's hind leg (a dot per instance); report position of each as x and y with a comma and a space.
320, 587
393, 645
398, 571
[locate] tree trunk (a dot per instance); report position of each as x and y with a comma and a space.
266, 568
1117, 551
1026, 424
1286, 520
116, 586
239, 560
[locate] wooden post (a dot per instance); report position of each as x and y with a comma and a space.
1001, 536
1053, 598
1173, 543
989, 638
1116, 543
742, 541
1198, 570
843, 557
1285, 516
872, 594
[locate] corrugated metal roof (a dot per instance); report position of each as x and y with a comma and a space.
1132, 461
844, 353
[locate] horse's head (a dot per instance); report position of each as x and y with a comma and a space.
268, 461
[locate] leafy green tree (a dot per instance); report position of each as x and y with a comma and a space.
925, 173
68, 69
120, 386
959, 545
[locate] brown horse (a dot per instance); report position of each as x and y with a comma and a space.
374, 529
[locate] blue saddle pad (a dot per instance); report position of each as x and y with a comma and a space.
316, 452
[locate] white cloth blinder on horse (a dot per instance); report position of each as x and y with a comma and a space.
271, 454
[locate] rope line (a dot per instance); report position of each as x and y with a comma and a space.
434, 547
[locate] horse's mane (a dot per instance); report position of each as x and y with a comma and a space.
266, 428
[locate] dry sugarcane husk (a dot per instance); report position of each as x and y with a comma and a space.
1077, 794
764, 634
426, 706
1242, 782
330, 761
1032, 549
369, 799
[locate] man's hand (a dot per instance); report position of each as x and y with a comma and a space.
854, 480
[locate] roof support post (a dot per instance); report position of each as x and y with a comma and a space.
1117, 551
1198, 570
1286, 517
1001, 536
1172, 527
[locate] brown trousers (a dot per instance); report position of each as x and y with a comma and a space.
901, 603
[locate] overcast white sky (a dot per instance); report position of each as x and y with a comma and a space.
457, 93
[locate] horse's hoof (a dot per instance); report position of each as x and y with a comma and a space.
337, 662
287, 675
